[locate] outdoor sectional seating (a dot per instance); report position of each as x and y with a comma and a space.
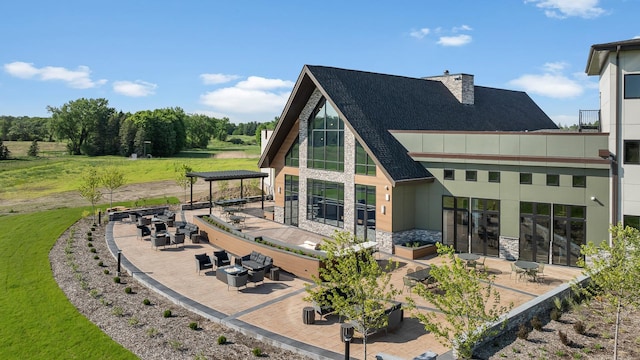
188, 229
256, 261
168, 217
394, 315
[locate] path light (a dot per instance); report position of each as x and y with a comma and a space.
119, 254
346, 334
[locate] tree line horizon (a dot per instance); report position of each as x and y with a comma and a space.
91, 127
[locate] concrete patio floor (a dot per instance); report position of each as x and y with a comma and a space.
272, 311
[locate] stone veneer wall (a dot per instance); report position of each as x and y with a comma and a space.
509, 248
345, 177
278, 214
417, 235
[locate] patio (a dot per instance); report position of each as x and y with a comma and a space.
252, 309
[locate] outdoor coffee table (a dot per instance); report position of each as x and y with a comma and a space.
222, 271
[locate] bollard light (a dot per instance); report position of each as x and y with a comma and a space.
119, 254
346, 334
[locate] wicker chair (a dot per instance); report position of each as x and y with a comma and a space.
237, 281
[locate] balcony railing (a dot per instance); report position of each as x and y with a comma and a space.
589, 120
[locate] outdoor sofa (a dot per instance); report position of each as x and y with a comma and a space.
168, 217
394, 314
257, 261
189, 230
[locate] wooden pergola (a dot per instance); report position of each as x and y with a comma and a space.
212, 176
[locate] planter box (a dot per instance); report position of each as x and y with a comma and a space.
237, 244
415, 252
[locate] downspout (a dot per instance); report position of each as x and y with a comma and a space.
615, 214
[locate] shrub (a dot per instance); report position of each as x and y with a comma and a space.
152, 332
94, 293
146, 302
536, 323
193, 325
222, 340
555, 314
89, 244
96, 257
117, 311
579, 327
134, 321
106, 271
116, 279
128, 290
523, 332
563, 338
256, 352
93, 250
88, 233
89, 238
167, 313
100, 263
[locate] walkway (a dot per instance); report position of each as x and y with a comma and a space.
272, 311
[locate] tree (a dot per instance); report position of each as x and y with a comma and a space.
182, 180
613, 269
199, 129
112, 179
466, 298
77, 121
4, 151
89, 189
34, 149
354, 284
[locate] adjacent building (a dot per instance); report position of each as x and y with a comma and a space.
396, 159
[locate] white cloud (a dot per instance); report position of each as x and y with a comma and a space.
458, 40
253, 99
136, 88
419, 34
79, 78
561, 9
552, 83
212, 79
461, 28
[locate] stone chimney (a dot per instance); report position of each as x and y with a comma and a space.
460, 85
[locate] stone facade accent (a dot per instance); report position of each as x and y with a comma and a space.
278, 214
385, 241
509, 248
460, 85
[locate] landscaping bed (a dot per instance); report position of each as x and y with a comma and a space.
415, 249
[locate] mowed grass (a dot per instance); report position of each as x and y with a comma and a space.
37, 321
30, 179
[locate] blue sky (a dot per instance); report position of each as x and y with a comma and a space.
240, 59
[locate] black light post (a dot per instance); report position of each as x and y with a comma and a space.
346, 334
119, 254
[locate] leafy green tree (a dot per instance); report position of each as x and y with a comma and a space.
358, 288
467, 299
89, 189
34, 149
613, 269
77, 121
182, 180
200, 129
112, 179
4, 151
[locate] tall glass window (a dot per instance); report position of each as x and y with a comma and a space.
535, 231
455, 222
291, 200
485, 226
364, 163
325, 202
569, 229
292, 158
366, 212
326, 139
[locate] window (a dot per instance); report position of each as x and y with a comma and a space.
471, 175
364, 163
494, 176
632, 221
526, 178
632, 151
455, 222
553, 180
569, 229
449, 174
579, 181
365, 212
326, 139
632, 86
291, 200
325, 202
485, 226
293, 155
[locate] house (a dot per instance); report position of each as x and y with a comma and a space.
618, 66
395, 159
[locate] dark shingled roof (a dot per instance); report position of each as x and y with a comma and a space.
373, 104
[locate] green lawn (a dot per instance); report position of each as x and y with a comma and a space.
37, 320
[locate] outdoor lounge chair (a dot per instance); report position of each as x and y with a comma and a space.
203, 262
143, 231
221, 258
158, 240
237, 280
176, 238
256, 277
